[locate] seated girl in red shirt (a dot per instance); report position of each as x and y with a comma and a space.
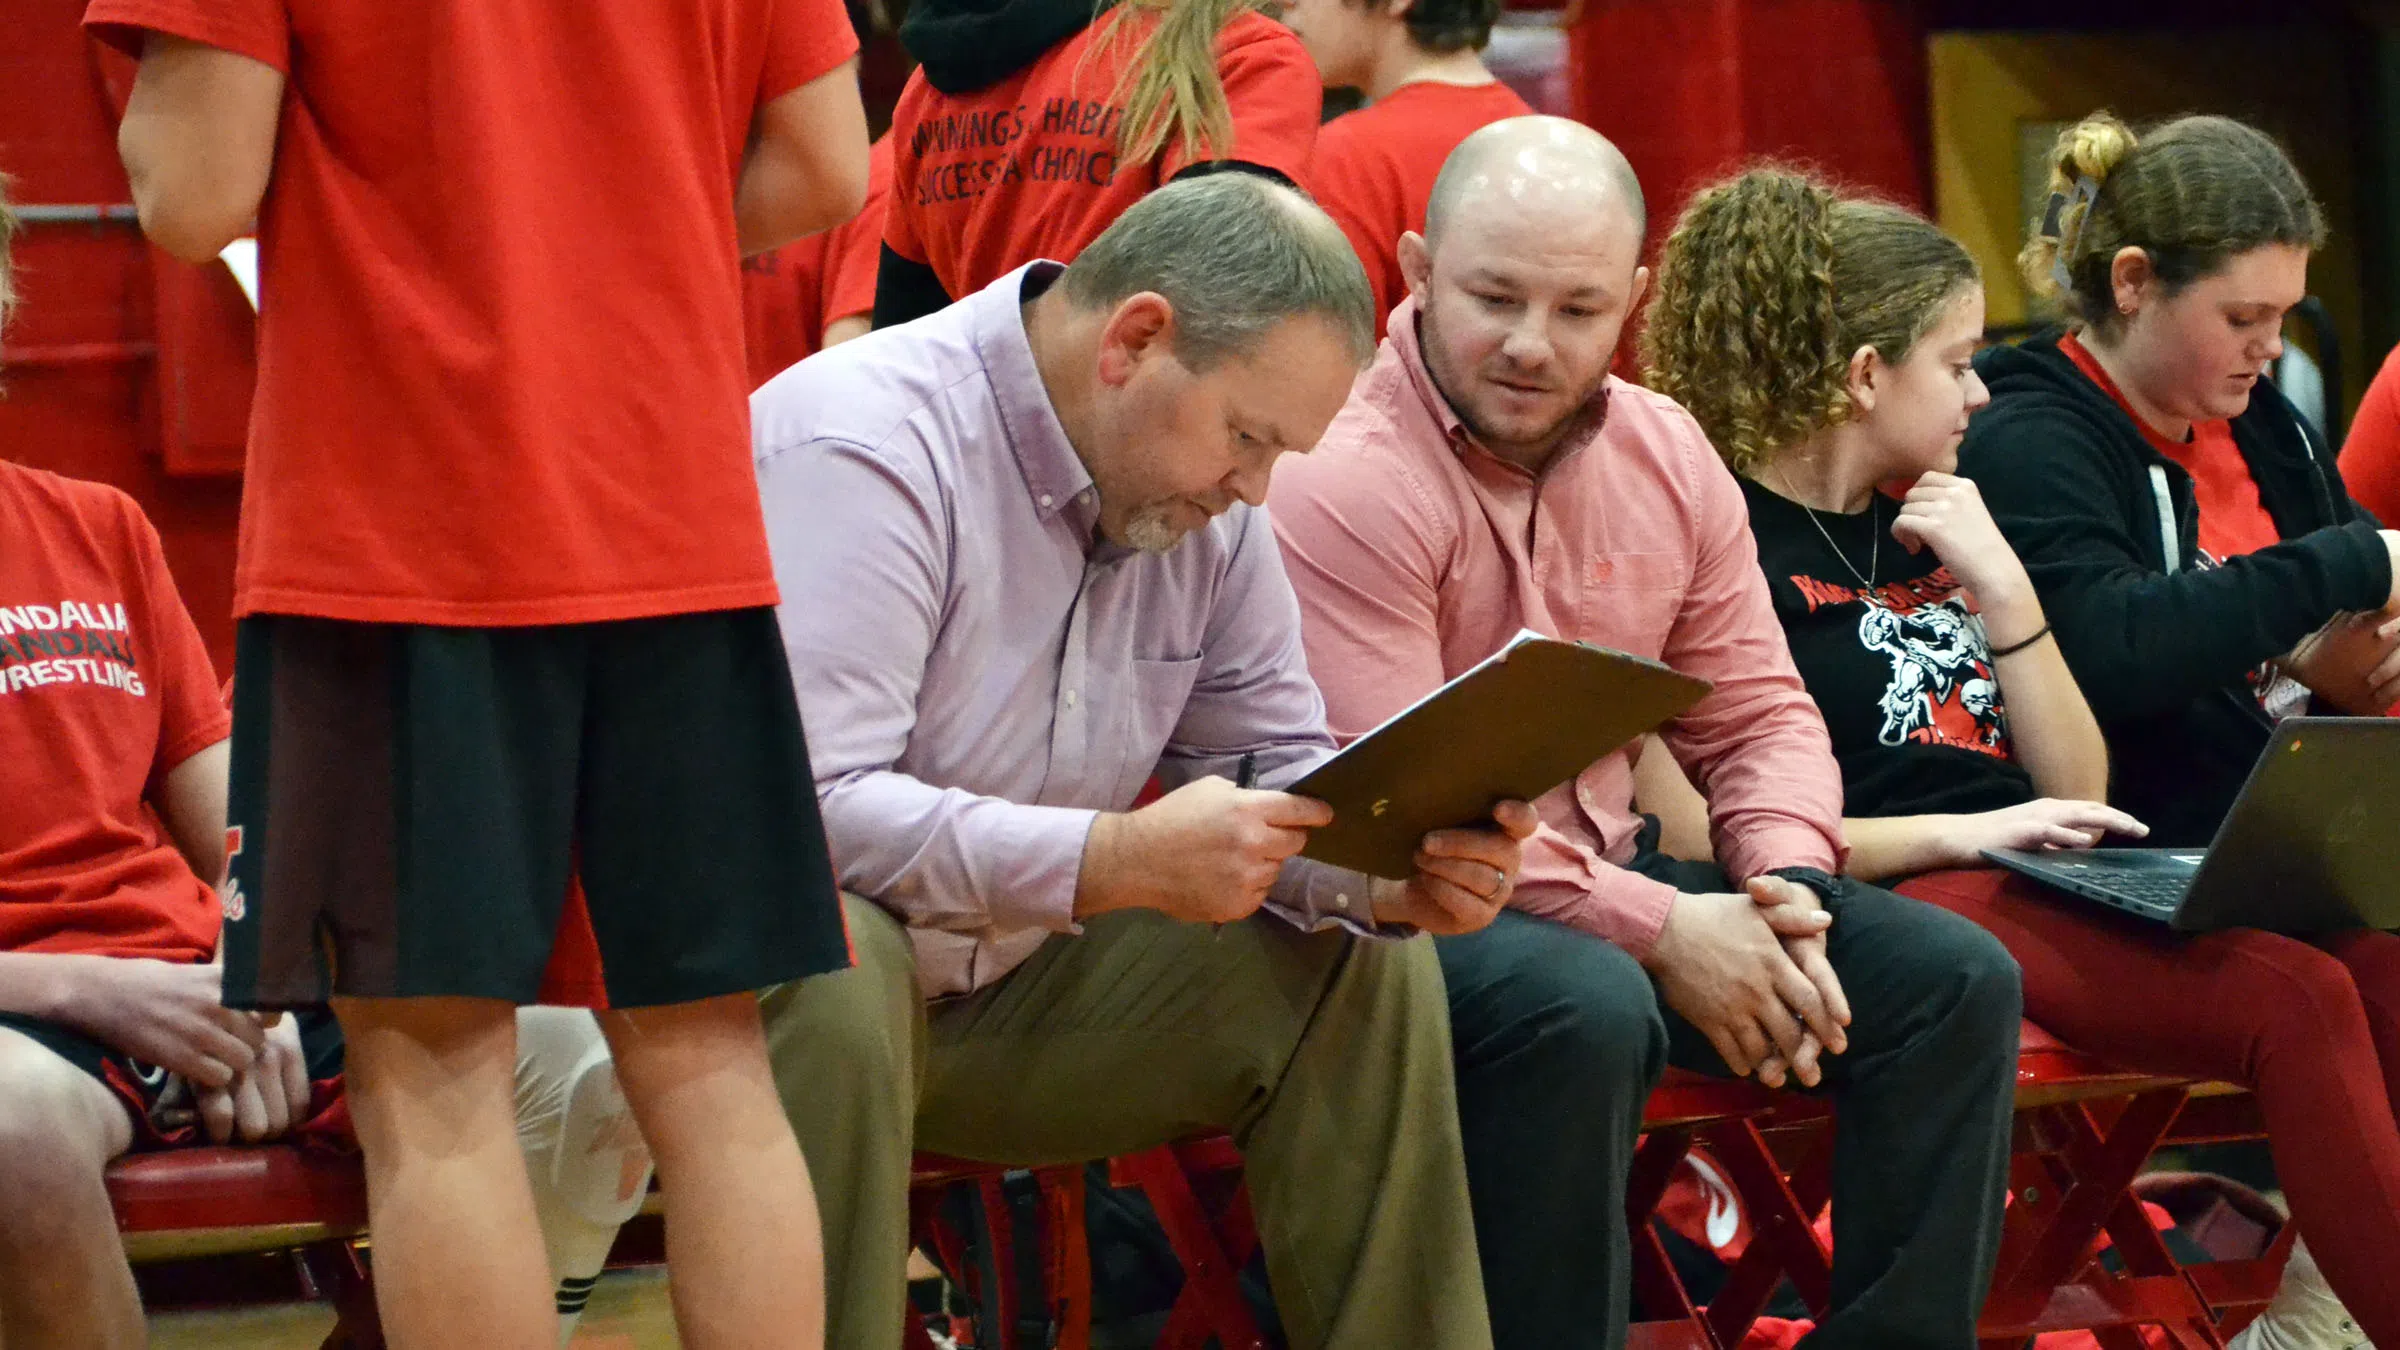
1827, 344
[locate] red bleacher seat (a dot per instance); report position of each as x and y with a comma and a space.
2070, 1188
2084, 1129
194, 1202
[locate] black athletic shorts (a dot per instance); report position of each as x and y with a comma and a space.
160, 1103
410, 802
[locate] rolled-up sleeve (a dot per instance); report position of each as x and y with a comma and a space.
861, 545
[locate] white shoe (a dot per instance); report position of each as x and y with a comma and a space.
2304, 1316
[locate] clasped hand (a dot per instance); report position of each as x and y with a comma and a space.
247, 1073
1750, 971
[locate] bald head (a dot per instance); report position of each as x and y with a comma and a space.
1528, 267
1534, 164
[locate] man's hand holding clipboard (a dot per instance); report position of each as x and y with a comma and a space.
1528, 718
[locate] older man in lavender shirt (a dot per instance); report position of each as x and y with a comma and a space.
1023, 570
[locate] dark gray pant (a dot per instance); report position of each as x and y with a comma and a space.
1560, 1036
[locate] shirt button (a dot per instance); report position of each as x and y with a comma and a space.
1045, 500
1070, 698
1341, 902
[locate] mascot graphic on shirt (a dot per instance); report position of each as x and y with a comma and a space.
1942, 691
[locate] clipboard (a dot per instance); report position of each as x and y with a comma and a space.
1519, 723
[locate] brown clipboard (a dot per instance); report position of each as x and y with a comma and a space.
1530, 717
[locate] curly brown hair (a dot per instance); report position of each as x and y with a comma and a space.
1768, 285
2191, 193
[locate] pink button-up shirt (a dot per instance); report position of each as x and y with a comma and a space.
1417, 553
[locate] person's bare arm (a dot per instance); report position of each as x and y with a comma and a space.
198, 141
842, 330
2049, 723
167, 1013
1883, 847
192, 803
806, 169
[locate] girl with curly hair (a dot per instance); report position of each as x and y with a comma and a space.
1827, 343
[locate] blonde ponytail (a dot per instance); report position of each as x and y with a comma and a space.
1172, 92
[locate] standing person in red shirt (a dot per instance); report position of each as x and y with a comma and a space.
2371, 452
113, 1035
1029, 125
506, 611
1419, 63
816, 292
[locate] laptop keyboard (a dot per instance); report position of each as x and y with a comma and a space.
2157, 894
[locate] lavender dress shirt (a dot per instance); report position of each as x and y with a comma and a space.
978, 674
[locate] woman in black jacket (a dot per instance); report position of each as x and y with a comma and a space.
2205, 574
2186, 528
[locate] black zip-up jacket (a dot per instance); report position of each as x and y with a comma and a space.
2163, 648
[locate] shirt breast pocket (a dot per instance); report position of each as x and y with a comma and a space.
1161, 691
1630, 600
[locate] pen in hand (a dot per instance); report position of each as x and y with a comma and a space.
1245, 778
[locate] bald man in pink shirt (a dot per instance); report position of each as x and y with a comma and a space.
1487, 475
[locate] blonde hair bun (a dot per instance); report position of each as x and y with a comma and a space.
2191, 193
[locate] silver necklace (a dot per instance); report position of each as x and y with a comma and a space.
1874, 533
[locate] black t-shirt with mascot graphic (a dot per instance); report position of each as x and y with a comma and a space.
1902, 672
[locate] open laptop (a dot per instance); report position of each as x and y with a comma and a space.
2311, 844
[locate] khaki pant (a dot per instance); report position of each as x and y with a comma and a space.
1326, 1056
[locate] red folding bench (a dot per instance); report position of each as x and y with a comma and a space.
183, 1204
1194, 1188
1066, 1258
2084, 1132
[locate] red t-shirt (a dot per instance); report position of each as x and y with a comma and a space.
2232, 522
2371, 452
791, 295
1374, 168
500, 368
1027, 168
104, 687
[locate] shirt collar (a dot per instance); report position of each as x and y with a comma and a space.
1054, 474
1402, 335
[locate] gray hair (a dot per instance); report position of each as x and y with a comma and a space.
1236, 255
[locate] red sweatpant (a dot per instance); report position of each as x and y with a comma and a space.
2311, 1027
